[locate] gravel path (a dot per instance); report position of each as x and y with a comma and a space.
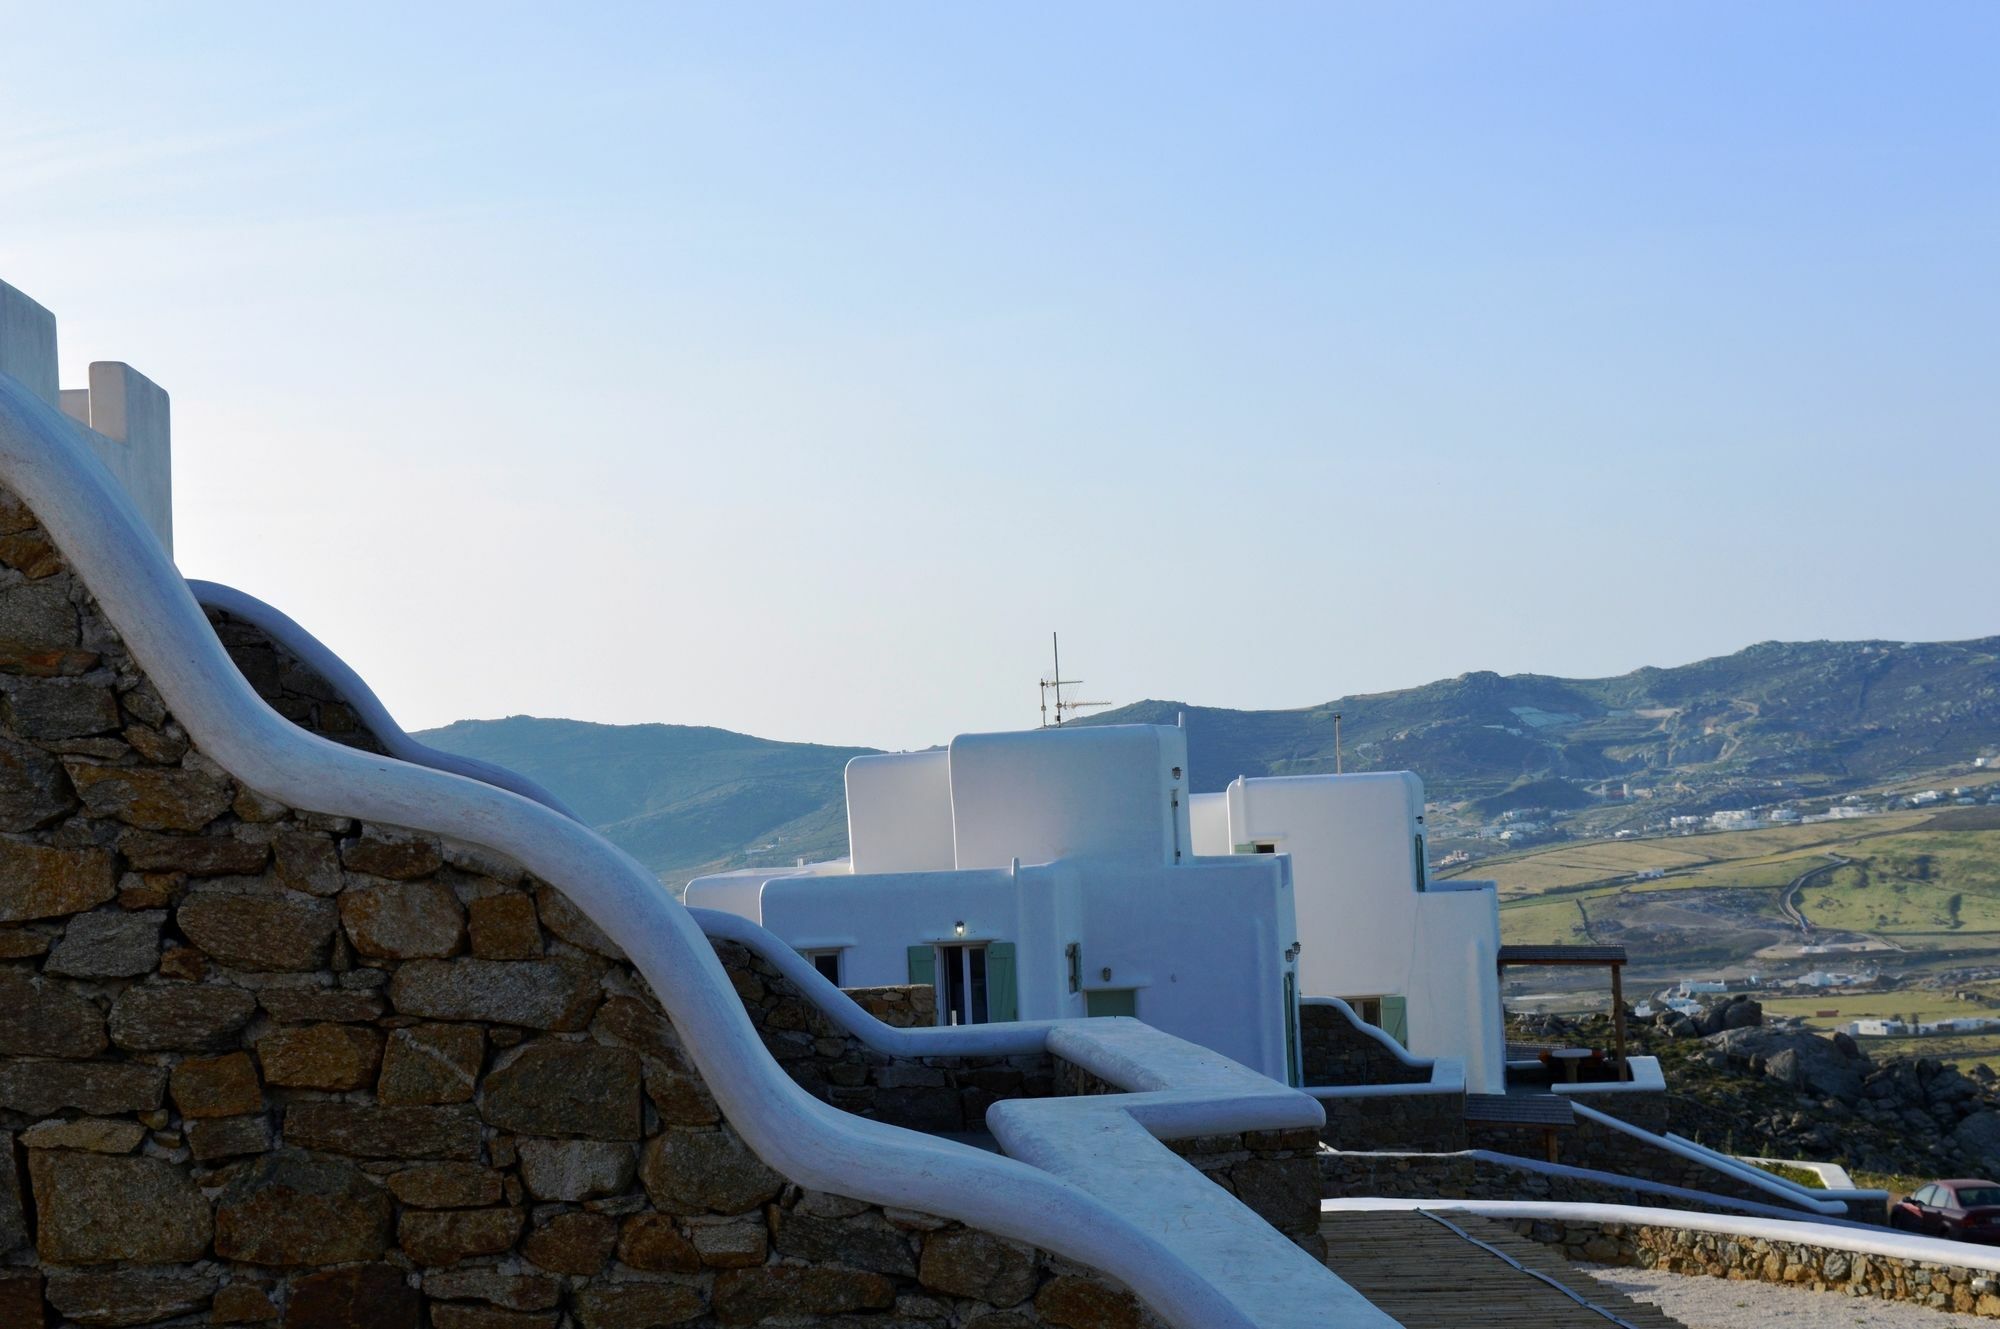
1701, 1302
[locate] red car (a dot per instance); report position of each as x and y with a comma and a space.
1960, 1209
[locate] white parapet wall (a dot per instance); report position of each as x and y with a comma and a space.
123, 417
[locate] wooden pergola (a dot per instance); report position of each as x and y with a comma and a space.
1611, 957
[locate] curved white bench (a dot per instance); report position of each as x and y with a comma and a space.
352, 689
117, 557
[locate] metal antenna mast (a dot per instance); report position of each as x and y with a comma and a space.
1056, 683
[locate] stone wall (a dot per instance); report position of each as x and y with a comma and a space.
940, 1094
1677, 1250
287, 685
1334, 1050
1274, 1173
1428, 1123
259, 1066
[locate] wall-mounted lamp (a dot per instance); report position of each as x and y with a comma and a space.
958, 928
1105, 972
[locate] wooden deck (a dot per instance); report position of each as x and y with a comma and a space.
1427, 1276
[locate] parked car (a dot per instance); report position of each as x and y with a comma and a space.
1961, 1209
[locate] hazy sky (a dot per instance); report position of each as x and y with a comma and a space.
796, 368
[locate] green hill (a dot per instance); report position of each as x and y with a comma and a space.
681, 799
1817, 716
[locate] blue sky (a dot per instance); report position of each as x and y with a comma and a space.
797, 368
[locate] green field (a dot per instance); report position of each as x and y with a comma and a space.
1920, 887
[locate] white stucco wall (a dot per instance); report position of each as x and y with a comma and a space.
1208, 823
899, 811
123, 417
1098, 790
1201, 945
1365, 928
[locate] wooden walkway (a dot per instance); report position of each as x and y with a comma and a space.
1428, 1274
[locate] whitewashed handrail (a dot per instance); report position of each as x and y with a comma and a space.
1858, 1238
118, 558
1797, 1197
352, 689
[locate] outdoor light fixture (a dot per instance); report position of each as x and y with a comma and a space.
959, 927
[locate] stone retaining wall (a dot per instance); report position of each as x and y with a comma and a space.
1677, 1250
1334, 1050
1274, 1173
1430, 1123
262, 1066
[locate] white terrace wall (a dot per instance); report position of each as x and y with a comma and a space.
1370, 923
123, 416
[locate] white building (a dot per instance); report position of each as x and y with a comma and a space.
1064, 872
1044, 875
1374, 929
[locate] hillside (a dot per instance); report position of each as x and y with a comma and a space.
1821, 717
1835, 715
681, 799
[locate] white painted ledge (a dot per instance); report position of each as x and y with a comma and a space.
1832, 1176
1855, 1238
1647, 1078
116, 555
360, 698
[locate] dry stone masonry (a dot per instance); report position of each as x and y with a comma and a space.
264, 1066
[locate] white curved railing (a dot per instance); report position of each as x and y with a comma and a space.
120, 561
352, 689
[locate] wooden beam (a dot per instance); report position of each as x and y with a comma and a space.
1618, 1019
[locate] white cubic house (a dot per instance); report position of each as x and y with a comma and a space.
1056, 873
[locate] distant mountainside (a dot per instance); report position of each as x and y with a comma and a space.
1826, 715
1840, 714
681, 799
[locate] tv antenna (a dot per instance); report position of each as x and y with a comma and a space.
1056, 683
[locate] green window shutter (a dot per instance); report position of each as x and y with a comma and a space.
923, 966
1001, 1000
1111, 1001
1396, 1019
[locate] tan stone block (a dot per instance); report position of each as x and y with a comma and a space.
447, 1186
446, 1236
152, 798
504, 927
289, 1208
432, 1063
321, 1056
242, 1303
258, 931
652, 1242
95, 1135
39, 881
95, 1208
403, 920
573, 1243
224, 1086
